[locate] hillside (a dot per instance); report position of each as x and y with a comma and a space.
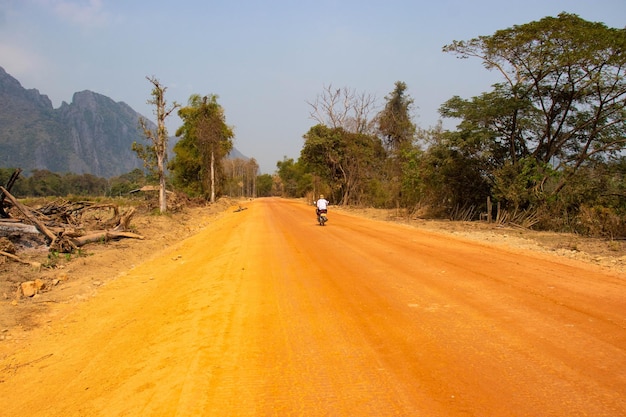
93, 134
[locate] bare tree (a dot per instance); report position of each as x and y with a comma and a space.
155, 155
345, 108
241, 175
252, 169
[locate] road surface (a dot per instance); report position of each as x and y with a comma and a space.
266, 313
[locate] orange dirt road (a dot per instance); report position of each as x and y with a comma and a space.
265, 313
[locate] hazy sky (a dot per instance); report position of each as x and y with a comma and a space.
264, 59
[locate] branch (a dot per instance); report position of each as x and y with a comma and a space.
10, 183
17, 259
104, 235
26, 212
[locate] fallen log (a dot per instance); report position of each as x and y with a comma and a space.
124, 220
18, 259
7, 228
59, 215
8, 220
103, 236
112, 222
26, 212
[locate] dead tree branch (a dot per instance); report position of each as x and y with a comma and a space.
26, 212
14, 176
64, 224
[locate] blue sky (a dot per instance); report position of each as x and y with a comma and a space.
264, 59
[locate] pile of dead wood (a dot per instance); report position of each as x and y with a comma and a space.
65, 225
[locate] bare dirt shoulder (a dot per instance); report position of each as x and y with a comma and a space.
607, 254
69, 279
72, 279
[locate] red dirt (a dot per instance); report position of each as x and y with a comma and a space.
265, 313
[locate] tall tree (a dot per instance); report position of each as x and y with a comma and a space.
345, 160
394, 121
155, 154
241, 175
562, 102
264, 185
207, 139
252, 171
397, 130
292, 180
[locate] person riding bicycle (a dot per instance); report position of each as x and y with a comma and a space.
321, 205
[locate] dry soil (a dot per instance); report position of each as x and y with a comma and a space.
261, 312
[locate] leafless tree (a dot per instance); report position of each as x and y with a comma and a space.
158, 139
345, 108
241, 175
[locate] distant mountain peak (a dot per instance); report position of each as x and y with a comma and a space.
11, 87
92, 134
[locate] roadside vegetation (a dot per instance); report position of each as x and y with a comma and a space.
543, 149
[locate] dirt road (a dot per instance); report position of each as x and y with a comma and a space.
265, 313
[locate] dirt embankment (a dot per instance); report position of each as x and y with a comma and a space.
69, 278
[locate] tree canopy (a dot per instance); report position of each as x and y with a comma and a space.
345, 160
395, 122
206, 140
561, 103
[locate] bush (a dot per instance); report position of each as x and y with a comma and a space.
600, 221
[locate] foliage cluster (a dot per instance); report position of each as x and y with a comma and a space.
546, 145
43, 183
205, 140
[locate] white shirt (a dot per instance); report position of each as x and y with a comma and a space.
322, 204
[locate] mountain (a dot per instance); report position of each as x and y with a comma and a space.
93, 134
235, 154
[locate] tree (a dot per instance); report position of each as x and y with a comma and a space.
186, 167
394, 121
342, 151
344, 160
207, 139
251, 174
125, 183
155, 154
294, 181
345, 108
562, 102
264, 185
241, 176
397, 130
450, 175
42, 183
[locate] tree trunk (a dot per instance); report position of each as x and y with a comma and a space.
161, 165
254, 185
12, 180
20, 260
162, 194
212, 174
159, 140
103, 235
